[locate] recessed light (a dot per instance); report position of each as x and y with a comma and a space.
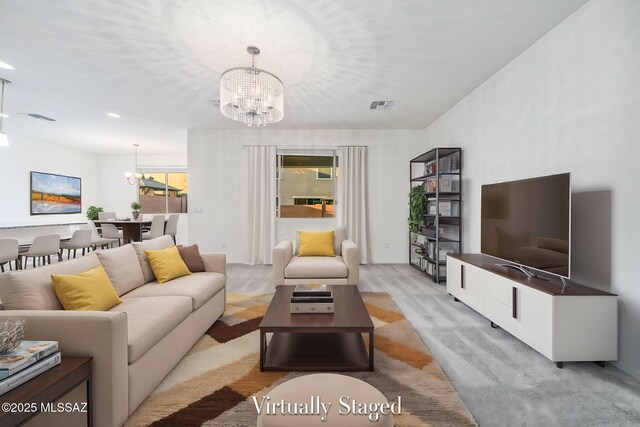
114, 115
6, 66
4, 116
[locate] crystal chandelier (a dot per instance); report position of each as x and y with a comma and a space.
251, 95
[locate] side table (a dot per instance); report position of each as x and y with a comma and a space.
48, 387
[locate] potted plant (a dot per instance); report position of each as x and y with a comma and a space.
417, 204
92, 213
136, 209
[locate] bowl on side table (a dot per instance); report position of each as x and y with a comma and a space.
11, 333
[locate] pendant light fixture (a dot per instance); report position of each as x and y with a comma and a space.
4, 141
250, 95
135, 177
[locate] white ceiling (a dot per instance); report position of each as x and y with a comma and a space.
158, 62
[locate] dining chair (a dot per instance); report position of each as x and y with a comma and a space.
110, 231
105, 216
42, 247
81, 239
157, 228
172, 226
97, 240
9, 253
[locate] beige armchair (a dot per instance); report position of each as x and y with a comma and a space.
343, 269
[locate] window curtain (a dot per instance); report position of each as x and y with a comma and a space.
262, 204
352, 207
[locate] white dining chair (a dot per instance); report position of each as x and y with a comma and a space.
42, 247
9, 253
172, 226
105, 216
110, 231
81, 239
157, 228
97, 240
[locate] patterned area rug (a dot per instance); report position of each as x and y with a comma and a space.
212, 385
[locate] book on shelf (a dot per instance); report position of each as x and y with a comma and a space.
311, 291
30, 372
25, 355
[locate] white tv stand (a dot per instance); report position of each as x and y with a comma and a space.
563, 323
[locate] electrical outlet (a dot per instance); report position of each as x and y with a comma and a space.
224, 245
386, 245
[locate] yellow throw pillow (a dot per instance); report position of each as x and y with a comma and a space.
167, 264
316, 243
91, 290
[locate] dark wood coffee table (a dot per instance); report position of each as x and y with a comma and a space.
317, 341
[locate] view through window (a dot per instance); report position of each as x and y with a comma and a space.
306, 186
164, 192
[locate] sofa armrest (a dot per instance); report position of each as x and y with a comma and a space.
282, 254
351, 257
216, 263
99, 334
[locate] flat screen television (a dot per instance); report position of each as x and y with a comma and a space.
55, 194
528, 223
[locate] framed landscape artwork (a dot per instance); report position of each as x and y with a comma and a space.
55, 194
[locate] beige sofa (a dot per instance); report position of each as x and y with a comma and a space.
343, 269
135, 344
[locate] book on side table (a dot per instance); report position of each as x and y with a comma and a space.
29, 359
311, 299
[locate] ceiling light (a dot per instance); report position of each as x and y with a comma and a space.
6, 116
114, 115
135, 177
4, 141
6, 66
250, 95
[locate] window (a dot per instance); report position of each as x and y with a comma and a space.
163, 192
306, 184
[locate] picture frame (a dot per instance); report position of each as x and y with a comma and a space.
53, 194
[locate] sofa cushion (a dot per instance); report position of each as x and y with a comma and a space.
167, 264
200, 287
162, 242
191, 256
91, 290
32, 289
123, 268
149, 319
315, 266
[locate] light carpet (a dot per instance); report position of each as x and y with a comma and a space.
214, 382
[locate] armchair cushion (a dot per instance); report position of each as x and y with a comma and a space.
316, 243
339, 235
315, 267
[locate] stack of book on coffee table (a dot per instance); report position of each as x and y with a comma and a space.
312, 299
28, 360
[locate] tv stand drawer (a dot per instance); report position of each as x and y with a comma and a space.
499, 288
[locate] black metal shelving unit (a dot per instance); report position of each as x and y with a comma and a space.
440, 172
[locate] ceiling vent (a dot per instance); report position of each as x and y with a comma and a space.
40, 117
381, 105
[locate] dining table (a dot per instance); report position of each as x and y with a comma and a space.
131, 228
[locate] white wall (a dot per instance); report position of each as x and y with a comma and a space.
571, 102
116, 194
218, 173
25, 155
